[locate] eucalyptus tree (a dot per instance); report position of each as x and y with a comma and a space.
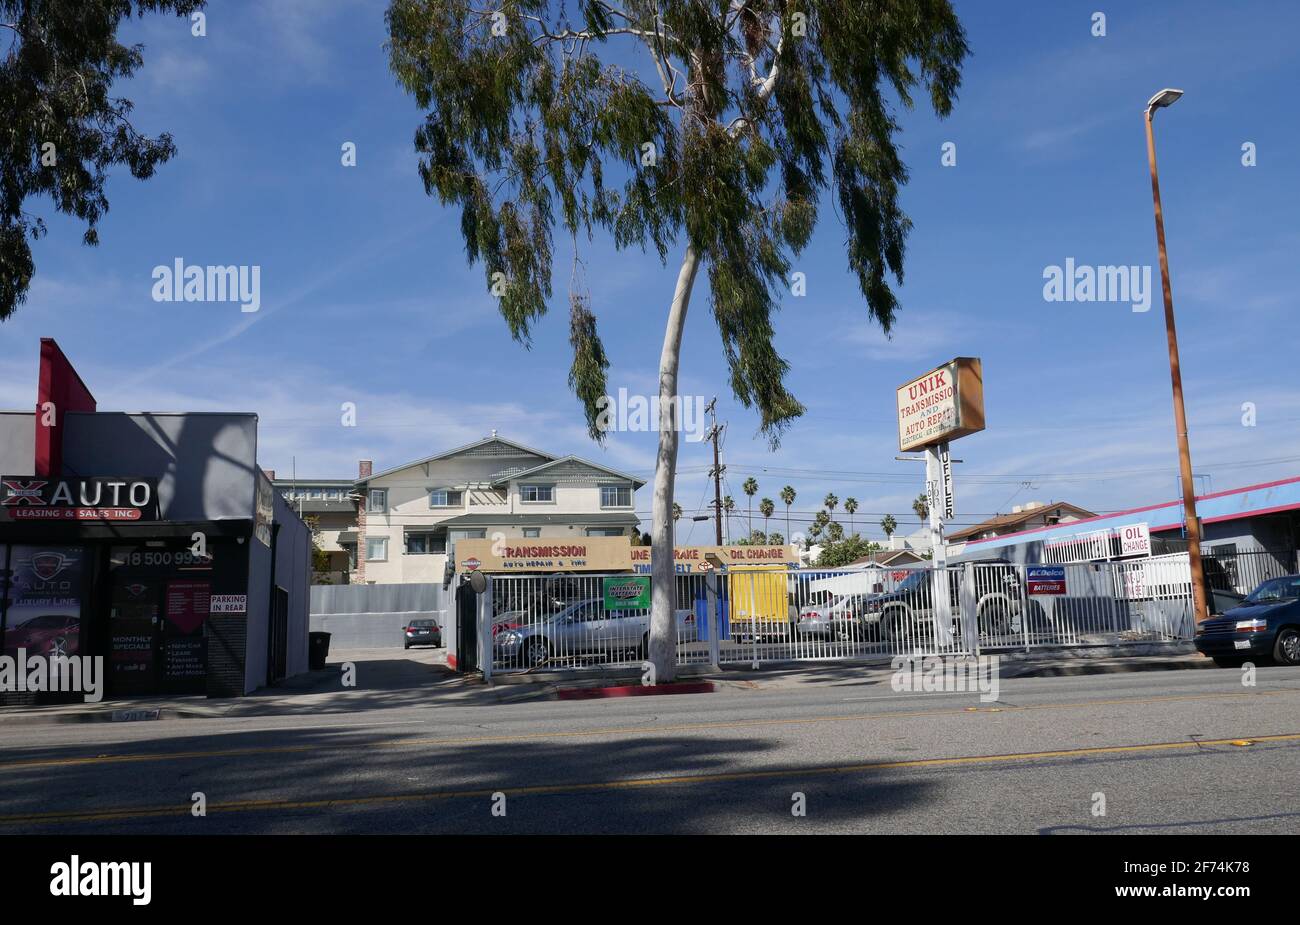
65, 124
707, 131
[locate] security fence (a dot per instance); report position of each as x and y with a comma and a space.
757, 615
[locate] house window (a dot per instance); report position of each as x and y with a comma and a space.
443, 497
615, 496
532, 532
378, 501
537, 494
425, 544
377, 549
604, 531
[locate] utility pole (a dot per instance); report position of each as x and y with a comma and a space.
1160, 100
715, 433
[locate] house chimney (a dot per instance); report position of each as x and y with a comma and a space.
365, 468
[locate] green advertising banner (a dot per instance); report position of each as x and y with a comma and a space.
626, 593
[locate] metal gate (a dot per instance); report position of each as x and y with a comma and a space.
763, 614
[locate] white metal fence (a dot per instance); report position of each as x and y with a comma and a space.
759, 615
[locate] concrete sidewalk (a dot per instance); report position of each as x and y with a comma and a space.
392, 678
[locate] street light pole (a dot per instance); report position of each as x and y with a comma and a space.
1160, 100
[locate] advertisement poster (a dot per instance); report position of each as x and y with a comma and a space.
44, 615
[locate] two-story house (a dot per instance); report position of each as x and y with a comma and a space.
410, 517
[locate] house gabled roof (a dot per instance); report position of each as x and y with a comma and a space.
456, 452
636, 482
1003, 521
886, 557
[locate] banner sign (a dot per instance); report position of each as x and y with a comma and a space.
630, 593
108, 498
1045, 579
606, 554
944, 404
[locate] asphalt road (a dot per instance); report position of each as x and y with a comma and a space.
1173, 751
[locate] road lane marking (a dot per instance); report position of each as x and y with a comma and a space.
588, 733
236, 806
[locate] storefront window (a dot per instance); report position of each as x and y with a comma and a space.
43, 616
159, 599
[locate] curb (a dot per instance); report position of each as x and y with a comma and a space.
634, 690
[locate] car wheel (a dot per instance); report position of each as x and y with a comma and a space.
995, 619
893, 627
406, 645
536, 652
1286, 650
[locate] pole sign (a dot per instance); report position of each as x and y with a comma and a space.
90, 499
942, 405
945, 458
626, 592
1045, 579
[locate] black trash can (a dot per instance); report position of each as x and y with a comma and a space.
318, 647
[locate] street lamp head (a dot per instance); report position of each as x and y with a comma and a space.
1166, 97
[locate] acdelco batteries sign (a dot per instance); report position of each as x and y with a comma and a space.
25, 497
945, 403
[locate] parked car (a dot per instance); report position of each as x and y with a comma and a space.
46, 635
421, 633
907, 611
584, 628
1267, 624
834, 617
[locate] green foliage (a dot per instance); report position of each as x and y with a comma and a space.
842, 552
63, 61
537, 113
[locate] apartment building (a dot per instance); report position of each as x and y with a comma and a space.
329, 508
410, 517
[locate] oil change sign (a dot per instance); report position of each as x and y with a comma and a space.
630, 593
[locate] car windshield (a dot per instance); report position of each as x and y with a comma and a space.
422, 623
1278, 589
912, 580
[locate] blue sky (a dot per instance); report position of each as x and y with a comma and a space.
366, 296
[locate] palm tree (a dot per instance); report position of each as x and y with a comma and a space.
751, 488
851, 507
766, 507
775, 539
889, 525
830, 502
921, 507
728, 505
787, 495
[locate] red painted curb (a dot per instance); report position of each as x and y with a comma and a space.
635, 690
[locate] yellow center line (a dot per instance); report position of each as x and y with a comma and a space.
237, 806
998, 709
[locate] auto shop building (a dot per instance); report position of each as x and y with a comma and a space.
152, 540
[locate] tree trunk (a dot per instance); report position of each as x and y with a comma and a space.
663, 583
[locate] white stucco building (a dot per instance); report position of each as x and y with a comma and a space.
410, 517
